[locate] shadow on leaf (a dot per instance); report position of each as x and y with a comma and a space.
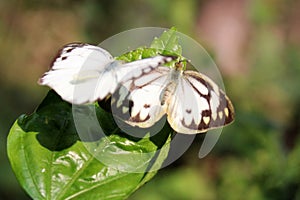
54, 122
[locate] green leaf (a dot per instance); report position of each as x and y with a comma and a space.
167, 43
139, 53
51, 162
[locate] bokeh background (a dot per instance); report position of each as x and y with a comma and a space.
256, 45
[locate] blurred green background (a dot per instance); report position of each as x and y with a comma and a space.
256, 45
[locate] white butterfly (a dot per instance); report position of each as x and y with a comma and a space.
192, 101
82, 73
146, 90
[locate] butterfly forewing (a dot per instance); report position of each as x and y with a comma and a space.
198, 105
119, 73
139, 68
75, 71
74, 55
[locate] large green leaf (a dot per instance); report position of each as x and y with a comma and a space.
51, 162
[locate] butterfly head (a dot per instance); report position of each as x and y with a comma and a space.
180, 65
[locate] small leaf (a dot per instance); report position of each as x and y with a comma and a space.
167, 43
138, 54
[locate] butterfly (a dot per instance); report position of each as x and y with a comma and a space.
83, 73
192, 102
142, 91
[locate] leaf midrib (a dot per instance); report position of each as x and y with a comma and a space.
74, 178
76, 175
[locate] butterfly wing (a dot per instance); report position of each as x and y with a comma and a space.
118, 73
76, 70
138, 100
197, 104
84, 73
141, 67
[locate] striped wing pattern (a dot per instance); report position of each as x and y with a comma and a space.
193, 102
138, 100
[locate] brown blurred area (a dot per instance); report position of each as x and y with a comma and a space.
228, 28
225, 27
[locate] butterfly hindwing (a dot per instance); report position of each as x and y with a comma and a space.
138, 100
